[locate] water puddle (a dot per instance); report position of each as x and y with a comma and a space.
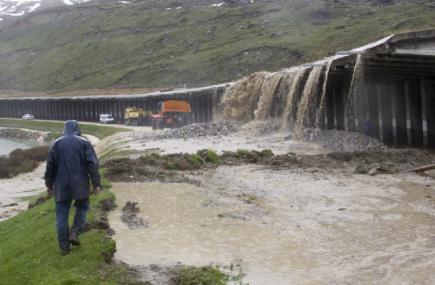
304, 227
184, 228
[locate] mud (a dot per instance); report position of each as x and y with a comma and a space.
287, 226
185, 168
129, 216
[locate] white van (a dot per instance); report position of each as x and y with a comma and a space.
106, 119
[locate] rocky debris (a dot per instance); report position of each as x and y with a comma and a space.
23, 135
234, 216
10, 205
337, 140
200, 130
185, 168
129, 216
108, 204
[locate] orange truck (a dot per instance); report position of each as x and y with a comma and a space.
172, 114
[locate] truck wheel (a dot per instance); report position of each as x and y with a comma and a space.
154, 124
159, 124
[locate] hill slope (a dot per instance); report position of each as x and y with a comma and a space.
155, 43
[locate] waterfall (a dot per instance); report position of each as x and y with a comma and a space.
307, 104
268, 90
321, 111
240, 100
350, 117
295, 75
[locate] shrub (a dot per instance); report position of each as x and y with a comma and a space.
195, 160
22, 161
267, 153
242, 153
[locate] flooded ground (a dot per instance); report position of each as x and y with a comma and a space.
287, 226
15, 191
6, 145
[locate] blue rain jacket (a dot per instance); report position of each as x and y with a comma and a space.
71, 165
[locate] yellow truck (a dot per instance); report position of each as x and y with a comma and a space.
137, 116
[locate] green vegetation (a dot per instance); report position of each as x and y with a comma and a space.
29, 251
266, 153
209, 156
243, 153
57, 127
206, 275
22, 161
145, 44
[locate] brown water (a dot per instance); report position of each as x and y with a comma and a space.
268, 90
184, 228
320, 113
304, 227
307, 103
356, 85
290, 105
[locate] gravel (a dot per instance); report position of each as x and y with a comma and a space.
201, 130
336, 140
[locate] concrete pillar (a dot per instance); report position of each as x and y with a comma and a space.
430, 115
379, 103
416, 112
423, 94
393, 113
371, 127
400, 112
408, 112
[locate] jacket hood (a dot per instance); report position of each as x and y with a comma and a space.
71, 128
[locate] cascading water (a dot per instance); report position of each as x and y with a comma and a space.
306, 106
351, 119
240, 100
320, 113
268, 90
290, 105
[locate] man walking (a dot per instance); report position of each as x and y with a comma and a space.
71, 163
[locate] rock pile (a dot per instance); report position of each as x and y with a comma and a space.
337, 140
200, 130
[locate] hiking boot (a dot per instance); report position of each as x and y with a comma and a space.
64, 251
74, 239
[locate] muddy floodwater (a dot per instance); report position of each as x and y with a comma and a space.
286, 226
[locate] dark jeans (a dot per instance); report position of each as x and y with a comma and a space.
62, 216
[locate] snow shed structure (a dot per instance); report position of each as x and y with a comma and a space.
385, 89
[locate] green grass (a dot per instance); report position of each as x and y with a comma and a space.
29, 251
57, 127
144, 45
206, 275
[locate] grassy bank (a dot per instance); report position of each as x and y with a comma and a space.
57, 127
29, 252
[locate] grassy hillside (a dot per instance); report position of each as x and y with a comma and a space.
155, 43
57, 127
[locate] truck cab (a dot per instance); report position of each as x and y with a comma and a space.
172, 114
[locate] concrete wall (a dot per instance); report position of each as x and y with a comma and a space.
202, 101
